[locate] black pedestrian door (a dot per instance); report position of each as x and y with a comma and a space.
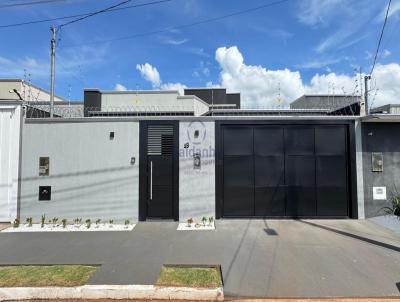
160, 142
284, 171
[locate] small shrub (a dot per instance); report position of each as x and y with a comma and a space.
189, 222
204, 220
127, 221
88, 223
78, 220
64, 223
394, 208
29, 221
98, 221
16, 223
42, 220
54, 221
210, 220
111, 221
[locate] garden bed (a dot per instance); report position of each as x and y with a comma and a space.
104, 227
184, 226
52, 275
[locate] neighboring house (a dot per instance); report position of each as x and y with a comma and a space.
217, 98
324, 101
17, 89
142, 103
387, 109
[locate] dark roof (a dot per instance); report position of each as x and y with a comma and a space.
331, 102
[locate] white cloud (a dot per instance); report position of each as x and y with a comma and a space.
15, 68
315, 63
394, 9
259, 86
343, 22
313, 12
120, 87
149, 73
386, 78
386, 53
174, 86
175, 42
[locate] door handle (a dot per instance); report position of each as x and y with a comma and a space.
151, 180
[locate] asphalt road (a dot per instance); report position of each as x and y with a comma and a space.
259, 258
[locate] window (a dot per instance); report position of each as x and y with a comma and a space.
44, 166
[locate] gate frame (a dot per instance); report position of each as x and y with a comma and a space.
351, 161
143, 174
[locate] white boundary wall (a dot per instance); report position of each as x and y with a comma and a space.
10, 135
91, 175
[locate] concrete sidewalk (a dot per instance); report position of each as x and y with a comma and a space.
272, 258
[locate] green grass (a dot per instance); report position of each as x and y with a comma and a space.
189, 277
53, 275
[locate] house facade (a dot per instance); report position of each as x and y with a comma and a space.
227, 163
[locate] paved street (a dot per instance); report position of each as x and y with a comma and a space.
259, 258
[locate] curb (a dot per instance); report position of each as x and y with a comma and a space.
147, 292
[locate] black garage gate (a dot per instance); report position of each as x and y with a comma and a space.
283, 170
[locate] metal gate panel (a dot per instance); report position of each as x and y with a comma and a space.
285, 170
331, 171
269, 168
160, 171
238, 172
300, 181
300, 171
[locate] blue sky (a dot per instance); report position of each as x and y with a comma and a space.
299, 46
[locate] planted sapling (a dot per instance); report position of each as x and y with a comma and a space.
210, 220
54, 221
64, 223
29, 221
42, 220
16, 223
88, 223
204, 220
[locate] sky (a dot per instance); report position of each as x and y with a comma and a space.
271, 55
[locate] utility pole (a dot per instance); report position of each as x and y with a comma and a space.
53, 69
366, 78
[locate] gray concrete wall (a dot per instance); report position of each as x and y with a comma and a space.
196, 186
91, 176
380, 137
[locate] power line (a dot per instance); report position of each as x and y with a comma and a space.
30, 3
380, 38
167, 29
81, 15
94, 13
